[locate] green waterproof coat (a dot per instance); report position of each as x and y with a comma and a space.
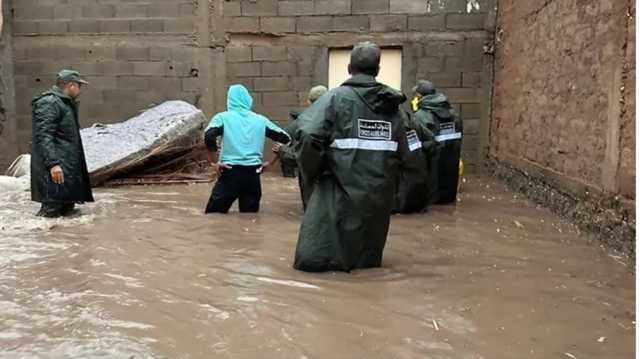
435, 114
412, 191
351, 144
57, 141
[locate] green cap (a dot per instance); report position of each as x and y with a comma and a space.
71, 76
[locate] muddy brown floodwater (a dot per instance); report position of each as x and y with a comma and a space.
143, 273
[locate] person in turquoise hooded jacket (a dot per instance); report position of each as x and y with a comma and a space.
240, 163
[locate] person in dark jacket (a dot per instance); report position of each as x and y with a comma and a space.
351, 142
59, 176
434, 113
287, 153
412, 191
240, 165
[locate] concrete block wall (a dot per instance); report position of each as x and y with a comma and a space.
134, 53
139, 52
279, 49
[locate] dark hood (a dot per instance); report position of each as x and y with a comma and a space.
438, 103
379, 98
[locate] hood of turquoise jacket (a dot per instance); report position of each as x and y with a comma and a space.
239, 99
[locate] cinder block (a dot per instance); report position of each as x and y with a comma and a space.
441, 79
114, 26
302, 83
132, 53
269, 53
147, 25
99, 52
67, 12
238, 54
351, 23
245, 81
163, 10
430, 64
301, 53
129, 11
473, 21
165, 84
370, 6
191, 84
259, 8
187, 9
270, 84
471, 79
126, 83
443, 48
88, 68
180, 26
309, 24
462, 95
83, 26
28, 67
289, 98
149, 68
464, 63
408, 7
159, 53
243, 69
241, 24
277, 114
53, 27
277, 24
98, 11
36, 12
113, 68
388, 23
281, 68
295, 8
332, 7
471, 110
427, 23
231, 8
25, 27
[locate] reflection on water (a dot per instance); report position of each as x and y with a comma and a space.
143, 273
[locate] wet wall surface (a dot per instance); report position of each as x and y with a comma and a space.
143, 273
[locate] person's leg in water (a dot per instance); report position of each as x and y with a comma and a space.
251, 191
55, 209
224, 193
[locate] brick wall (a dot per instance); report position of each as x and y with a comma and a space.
139, 52
564, 93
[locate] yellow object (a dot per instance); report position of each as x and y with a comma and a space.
415, 103
460, 174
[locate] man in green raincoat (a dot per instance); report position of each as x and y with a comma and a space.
59, 176
434, 113
287, 153
351, 142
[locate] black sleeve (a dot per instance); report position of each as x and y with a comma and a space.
210, 138
279, 136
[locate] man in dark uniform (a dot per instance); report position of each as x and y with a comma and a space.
59, 176
351, 142
287, 153
434, 113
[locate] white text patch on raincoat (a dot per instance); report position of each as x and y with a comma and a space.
374, 130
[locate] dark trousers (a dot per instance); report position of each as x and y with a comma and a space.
241, 183
56, 209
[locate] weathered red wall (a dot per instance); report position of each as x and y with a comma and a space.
564, 95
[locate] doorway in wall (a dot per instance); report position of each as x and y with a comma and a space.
390, 67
